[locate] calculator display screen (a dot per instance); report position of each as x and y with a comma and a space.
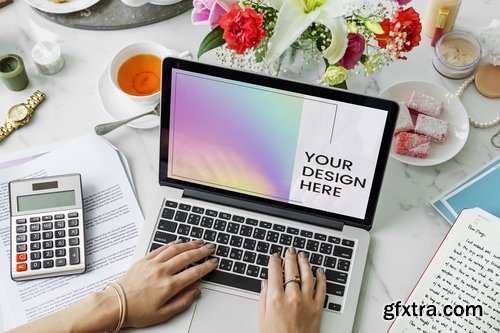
46, 200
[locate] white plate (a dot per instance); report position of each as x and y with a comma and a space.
120, 107
453, 112
61, 8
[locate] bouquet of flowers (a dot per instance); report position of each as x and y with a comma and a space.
345, 33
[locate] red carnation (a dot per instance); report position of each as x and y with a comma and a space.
242, 28
402, 33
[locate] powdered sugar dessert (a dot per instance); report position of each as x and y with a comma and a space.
437, 129
404, 122
412, 144
425, 104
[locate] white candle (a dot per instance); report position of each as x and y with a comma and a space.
47, 57
432, 12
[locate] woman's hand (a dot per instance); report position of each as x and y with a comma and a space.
157, 287
296, 306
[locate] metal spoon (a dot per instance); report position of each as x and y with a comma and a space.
105, 128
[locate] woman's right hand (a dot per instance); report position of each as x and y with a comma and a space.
296, 306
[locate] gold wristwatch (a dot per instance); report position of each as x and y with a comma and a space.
20, 114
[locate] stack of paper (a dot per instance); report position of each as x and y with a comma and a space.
112, 220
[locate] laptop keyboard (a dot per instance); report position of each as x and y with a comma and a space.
245, 244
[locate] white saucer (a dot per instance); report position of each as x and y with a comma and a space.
120, 107
453, 112
61, 8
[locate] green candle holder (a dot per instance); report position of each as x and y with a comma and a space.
12, 72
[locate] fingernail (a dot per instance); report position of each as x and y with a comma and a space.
210, 245
199, 241
214, 260
177, 241
276, 254
292, 250
302, 254
320, 271
197, 294
263, 284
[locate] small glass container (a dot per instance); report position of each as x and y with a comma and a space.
457, 54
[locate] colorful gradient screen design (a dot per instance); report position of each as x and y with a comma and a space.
259, 141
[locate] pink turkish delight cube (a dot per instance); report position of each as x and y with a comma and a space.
437, 129
405, 121
412, 144
425, 104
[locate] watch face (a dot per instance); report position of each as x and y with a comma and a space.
18, 112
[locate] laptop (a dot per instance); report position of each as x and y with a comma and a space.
257, 164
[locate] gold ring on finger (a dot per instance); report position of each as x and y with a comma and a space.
295, 279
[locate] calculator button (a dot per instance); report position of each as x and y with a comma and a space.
20, 257
48, 244
47, 225
60, 252
21, 247
74, 241
60, 242
21, 238
48, 235
59, 224
73, 223
35, 227
35, 237
35, 246
47, 218
35, 255
21, 267
74, 255
35, 219
21, 229
20, 221
60, 262
48, 254
59, 216
74, 214
73, 232
48, 263
35, 265
60, 233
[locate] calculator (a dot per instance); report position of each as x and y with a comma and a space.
47, 231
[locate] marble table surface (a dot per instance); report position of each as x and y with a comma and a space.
406, 230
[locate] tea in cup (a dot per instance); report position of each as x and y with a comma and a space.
135, 71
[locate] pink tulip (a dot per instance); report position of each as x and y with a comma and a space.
209, 11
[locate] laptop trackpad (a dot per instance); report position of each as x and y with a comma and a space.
224, 313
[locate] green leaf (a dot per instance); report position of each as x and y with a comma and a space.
342, 85
374, 27
211, 41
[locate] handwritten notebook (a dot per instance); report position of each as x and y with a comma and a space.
465, 270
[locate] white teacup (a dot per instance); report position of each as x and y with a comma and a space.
143, 77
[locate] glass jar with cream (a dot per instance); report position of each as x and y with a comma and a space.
457, 54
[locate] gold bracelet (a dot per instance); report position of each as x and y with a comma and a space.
122, 303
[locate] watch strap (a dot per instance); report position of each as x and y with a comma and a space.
5, 130
35, 99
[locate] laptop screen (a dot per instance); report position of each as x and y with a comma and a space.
312, 150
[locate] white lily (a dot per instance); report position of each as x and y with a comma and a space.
295, 16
